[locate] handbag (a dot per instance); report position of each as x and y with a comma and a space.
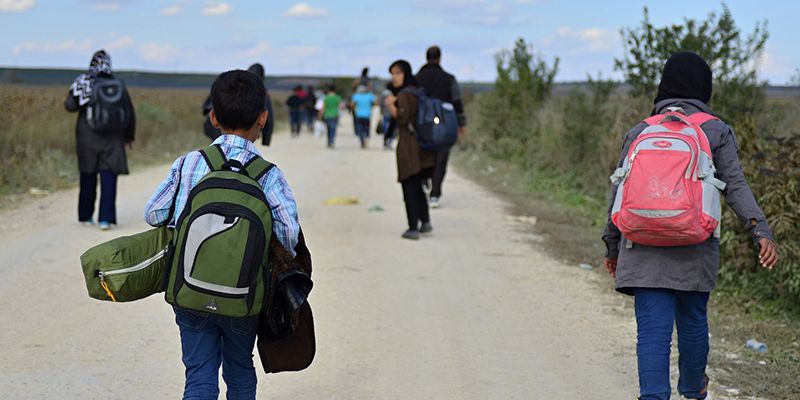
131, 267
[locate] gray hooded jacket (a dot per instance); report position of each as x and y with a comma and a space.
687, 268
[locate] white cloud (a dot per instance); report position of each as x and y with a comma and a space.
157, 52
589, 40
217, 9
66, 46
259, 50
303, 10
174, 9
108, 7
16, 5
119, 43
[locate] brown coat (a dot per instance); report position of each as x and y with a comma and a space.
295, 352
411, 159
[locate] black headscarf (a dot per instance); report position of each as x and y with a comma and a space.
408, 77
686, 76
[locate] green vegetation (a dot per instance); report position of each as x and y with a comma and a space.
37, 135
549, 152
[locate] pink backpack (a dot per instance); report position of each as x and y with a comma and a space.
667, 194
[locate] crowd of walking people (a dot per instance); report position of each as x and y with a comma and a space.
670, 271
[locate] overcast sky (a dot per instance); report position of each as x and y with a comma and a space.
340, 37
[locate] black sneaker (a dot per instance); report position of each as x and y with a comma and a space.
411, 235
426, 227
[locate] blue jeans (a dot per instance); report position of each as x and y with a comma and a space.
657, 310
108, 196
362, 128
294, 120
209, 340
331, 123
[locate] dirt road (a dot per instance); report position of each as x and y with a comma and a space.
472, 312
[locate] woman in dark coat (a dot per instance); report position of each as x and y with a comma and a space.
106, 122
413, 163
671, 285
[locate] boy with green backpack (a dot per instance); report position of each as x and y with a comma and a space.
228, 201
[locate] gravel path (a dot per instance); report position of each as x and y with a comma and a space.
474, 311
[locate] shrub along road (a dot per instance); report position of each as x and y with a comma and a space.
473, 311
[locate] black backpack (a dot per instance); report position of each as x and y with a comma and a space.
436, 123
109, 109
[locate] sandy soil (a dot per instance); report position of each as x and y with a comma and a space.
473, 311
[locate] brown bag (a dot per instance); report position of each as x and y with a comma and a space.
295, 351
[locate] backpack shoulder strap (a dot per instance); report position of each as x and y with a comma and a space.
214, 157
257, 167
700, 118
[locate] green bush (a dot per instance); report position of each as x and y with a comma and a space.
573, 142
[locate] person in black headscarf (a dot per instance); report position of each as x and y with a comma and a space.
413, 163
671, 285
106, 122
266, 133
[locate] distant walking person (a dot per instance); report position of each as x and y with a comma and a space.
443, 86
388, 124
661, 245
266, 132
309, 112
413, 163
330, 113
295, 102
362, 102
106, 122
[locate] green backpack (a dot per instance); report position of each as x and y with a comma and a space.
220, 254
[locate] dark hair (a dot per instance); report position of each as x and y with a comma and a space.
434, 53
408, 77
365, 72
238, 98
257, 69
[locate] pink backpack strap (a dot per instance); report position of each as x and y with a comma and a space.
654, 120
700, 118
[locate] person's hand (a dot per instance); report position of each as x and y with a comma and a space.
611, 267
389, 100
768, 253
461, 133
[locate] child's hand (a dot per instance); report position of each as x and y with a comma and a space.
768, 253
611, 267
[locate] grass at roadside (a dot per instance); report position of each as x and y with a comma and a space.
37, 136
572, 224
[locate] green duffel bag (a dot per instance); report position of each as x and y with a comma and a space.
127, 268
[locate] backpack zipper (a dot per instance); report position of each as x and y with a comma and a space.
692, 152
138, 267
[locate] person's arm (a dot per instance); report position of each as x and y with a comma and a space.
405, 108
611, 234
458, 104
156, 211
71, 103
130, 131
281, 200
741, 200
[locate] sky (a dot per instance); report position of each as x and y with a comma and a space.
340, 37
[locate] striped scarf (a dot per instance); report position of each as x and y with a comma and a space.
82, 85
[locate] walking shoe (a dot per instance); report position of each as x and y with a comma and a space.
411, 235
88, 223
104, 226
426, 227
435, 203
703, 391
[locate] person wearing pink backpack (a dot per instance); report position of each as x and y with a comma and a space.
662, 235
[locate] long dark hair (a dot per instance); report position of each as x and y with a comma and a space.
408, 77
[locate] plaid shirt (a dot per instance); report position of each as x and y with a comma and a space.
279, 196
